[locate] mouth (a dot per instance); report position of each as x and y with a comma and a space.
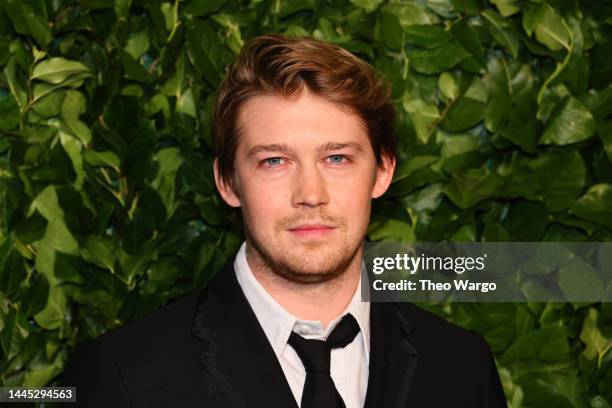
311, 230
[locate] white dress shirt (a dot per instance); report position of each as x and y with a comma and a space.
349, 365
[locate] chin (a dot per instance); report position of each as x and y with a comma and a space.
310, 274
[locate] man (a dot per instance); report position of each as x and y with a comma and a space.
304, 141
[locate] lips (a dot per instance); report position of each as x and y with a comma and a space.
311, 230
310, 227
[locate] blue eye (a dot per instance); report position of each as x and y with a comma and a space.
273, 161
337, 158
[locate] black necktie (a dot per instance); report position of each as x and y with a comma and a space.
319, 389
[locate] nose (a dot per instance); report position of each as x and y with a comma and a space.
310, 189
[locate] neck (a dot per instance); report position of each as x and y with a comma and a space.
309, 301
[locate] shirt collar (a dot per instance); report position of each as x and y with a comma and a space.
278, 323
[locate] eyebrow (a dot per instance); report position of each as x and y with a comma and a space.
274, 147
285, 148
337, 146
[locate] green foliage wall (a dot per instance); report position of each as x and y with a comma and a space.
108, 208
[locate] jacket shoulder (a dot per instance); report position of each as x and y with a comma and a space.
436, 338
134, 361
448, 354
172, 322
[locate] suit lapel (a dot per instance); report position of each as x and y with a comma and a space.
236, 352
393, 359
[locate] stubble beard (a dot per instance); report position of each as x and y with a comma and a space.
297, 266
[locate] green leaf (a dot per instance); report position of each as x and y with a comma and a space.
543, 345
367, 5
466, 6
169, 161
562, 178
16, 82
39, 28
43, 89
506, 8
448, 86
391, 30
499, 323
106, 158
133, 70
27, 21
427, 36
469, 187
438, 59
13, 334
73, 147
522, 126
423, 116
99, 251
50, 104
73, 105
467, 37
35, 298
604, 131
595, 205
201, 8
548, 385
9, 113
579, 282
526, 221
52, 316
596, 343
12, 270
501, 32
393, 231
463, 114
57, 70
570, 122
459, 152
4, 50
411, 165
443, 8
549, 27
31, 228
77, 129
122, 7
186, 103
204, 52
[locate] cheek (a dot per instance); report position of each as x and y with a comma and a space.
355, 205
262, 205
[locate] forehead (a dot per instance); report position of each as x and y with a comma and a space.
300, 121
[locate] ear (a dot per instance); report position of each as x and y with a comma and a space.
226, 190
384, 175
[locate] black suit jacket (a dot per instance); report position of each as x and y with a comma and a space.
208, 350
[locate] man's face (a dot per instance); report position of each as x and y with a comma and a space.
305, 176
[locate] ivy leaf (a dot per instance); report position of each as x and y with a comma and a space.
469, 187
506, 8
57, 70
14, 334
545, 344
562, 178
579, 282
501, 31
570, 122
367, 5
549, 27
438, 59
595, 205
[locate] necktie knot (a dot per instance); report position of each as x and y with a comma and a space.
319, 388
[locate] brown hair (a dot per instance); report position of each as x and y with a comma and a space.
278, 65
